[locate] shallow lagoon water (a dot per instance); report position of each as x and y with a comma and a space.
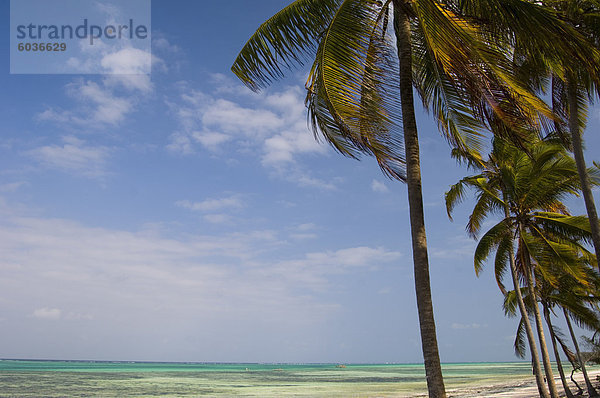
145, 379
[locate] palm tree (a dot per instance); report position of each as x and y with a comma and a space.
570, 92
510, 305
554, 338
575, 300
574, 297
490, 189
526, 189
357, 72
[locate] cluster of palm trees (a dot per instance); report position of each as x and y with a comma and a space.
536, 238
477, 66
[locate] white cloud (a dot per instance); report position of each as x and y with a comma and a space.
97, 103
217, 218
378, 186
161, 43
458, 246
231, 202
230, 117
73, 156
107, 101
304, 231
97, 274
47, 313
283, 147
108, 109
12, 187
211, 140
354, 257
314, 268
272, 125
307, 227
181, 143
303, 236
301, 178
127, 61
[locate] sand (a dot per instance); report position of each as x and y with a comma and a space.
522, 389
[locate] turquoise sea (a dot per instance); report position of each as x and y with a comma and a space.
27, 378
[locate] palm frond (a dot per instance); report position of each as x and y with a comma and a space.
285, 40
488, 242
502, 259
520, 340
352, 84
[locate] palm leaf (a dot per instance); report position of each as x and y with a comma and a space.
488, 242
350, 87
285, 40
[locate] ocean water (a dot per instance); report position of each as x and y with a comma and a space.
25, 378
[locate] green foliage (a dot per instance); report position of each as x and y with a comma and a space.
463, 62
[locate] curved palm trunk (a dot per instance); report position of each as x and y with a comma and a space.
540, 328
586, 189
433, 369
535, 359
588, 383
561, 371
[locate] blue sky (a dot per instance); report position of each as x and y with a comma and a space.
181, 217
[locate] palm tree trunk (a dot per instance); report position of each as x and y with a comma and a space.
580, 392
563, 378
588, 383
586, 189
433, 368
540, 327
535, 359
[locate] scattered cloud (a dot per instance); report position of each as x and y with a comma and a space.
307, 227
380, 187
12, 187
107, 108
215, 207
231, 202
73, 156
458, 246
47, 313
273, 125
127, 61
313, 270
211, 140
218, 218
95, 273
385, 290
303, 236
304, 231
98, 104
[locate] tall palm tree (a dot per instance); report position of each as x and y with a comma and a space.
554, 339
510, 306
571, 95
489, 185
526, 189
575, 298
578, 302
574, 83
358, 70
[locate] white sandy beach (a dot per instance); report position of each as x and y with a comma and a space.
520, 389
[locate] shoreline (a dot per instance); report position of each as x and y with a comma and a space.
153, 379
